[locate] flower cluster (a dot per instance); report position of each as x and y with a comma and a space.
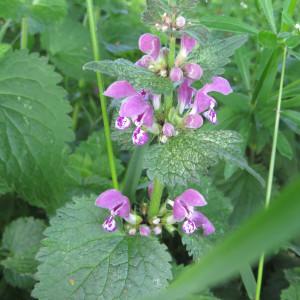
146, 110
183, 211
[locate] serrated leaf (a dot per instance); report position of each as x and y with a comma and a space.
214, 54
139, 77
21, 239
94, 264
69, 48
182, 159
293, 291
154, 11
34, 127
218, 211
44, 11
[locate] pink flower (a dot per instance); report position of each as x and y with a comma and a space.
135, 106
183, 211
145, 230
204, 103
117, 204
185, 95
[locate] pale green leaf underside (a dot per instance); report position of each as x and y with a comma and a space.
94, 264
184, 157
214, 54
139, 77
21, 239
34, 127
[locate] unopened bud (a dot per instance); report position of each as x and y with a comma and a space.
180, 22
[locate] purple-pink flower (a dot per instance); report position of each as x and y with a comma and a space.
204, 103
183, 211
117, 204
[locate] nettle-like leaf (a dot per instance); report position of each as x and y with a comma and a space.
218, 211
184, 157
94, 264
154, 11
88, 166
21, 240
69, 47
139, 77
44, 11
214, 54
34, 127
293, 291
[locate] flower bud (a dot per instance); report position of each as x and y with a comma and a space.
180, 22
193, 121
176, 74
168, 130
193, 71
157, 230
145, 230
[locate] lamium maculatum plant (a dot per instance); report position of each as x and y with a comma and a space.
165, 117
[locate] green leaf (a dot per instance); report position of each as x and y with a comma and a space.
134, 172
21, 239
249, 281
125, 70
34, 127
88, 166
218, 211
292, 119
293, 291
94, 264
68, 45
45, 11
215, 54
182, 159
243, 246
267, 39
267, 8
224, 23
284, 146
4, 49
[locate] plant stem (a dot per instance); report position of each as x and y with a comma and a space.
111, 158
158, 189
271, 168
24, 33
4, 29
171, 60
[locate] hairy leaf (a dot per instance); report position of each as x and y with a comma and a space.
21, 239
293, 291
94, 264
193, 152
139, 77
214, 54
34, 127
68, 45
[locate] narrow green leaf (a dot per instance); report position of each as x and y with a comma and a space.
224, 23
267, 39
125, 70
134, 172
292, 119
243, 62
267, 8
249, 281
284, 146
261, 233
